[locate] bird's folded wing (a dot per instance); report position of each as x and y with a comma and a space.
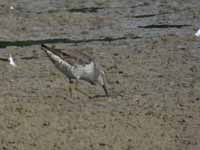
73, 57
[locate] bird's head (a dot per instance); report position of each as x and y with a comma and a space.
102, 81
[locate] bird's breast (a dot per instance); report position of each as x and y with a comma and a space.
85, 72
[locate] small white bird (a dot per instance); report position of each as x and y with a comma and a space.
11, 61
197, 33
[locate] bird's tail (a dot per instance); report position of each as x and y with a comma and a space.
51, 49
45, 47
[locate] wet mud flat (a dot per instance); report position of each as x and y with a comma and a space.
151, 59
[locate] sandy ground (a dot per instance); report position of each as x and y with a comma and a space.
151, 59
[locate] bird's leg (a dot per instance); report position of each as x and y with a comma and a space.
79, 90
70, 87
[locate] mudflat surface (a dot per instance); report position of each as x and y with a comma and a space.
152, 63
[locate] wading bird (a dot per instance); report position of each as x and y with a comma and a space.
76, 66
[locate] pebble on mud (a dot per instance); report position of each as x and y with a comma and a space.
11, 8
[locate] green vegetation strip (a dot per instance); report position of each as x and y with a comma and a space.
4, 44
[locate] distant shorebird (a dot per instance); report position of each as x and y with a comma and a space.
12, 63
9, 59
76, 66
197, 33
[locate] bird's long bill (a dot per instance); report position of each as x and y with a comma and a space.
105, 89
